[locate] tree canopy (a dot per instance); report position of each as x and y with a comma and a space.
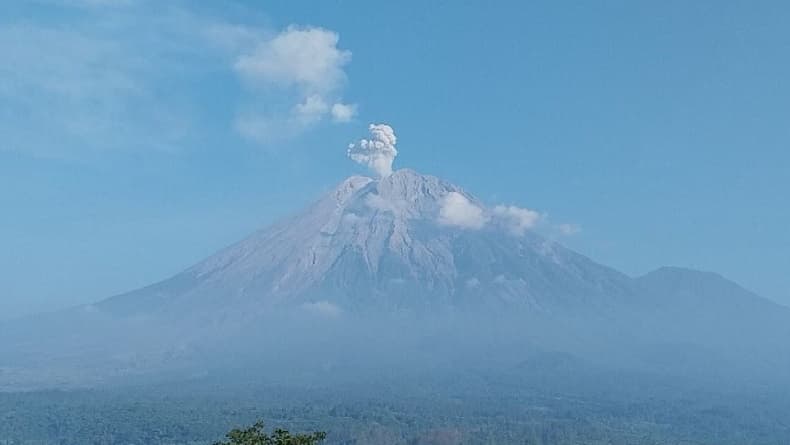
255, 435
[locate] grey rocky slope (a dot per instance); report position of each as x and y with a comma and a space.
374, 250
381, 244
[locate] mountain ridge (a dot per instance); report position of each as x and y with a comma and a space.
387, 232
406, 263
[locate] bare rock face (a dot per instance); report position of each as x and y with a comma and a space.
407, 267
382, 244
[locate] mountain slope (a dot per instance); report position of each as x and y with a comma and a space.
405, 272
688, 306
382, 244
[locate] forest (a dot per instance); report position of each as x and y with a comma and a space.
457, 413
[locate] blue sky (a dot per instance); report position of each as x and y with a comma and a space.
137, 138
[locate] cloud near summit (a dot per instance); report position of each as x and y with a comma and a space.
458, 211
517, 219
455, 209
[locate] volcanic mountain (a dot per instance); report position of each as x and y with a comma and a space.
384, 244
408, 246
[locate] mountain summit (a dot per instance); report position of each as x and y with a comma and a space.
404, 241
401, 272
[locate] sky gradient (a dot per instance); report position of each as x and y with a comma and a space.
137, 138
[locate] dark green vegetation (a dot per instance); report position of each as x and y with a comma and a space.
456, 411
255, 435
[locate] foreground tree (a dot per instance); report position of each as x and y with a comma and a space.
255, 435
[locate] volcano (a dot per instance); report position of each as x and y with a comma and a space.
384, 244
407, 246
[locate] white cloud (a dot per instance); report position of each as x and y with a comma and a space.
312, 108
305, 57
343, 112
378, 152
568, 229
93, 80
323, 308
300, 65
458, 211
517, 219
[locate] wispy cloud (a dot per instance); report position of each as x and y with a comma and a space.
304, 68
101, 75
343, 112
516, 219
458, 211
82, 83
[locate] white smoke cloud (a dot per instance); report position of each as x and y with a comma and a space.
458, 211
378, 152
517, 219
300, 67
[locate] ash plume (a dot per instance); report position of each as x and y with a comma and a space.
378, 152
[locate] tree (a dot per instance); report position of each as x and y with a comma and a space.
255, 435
